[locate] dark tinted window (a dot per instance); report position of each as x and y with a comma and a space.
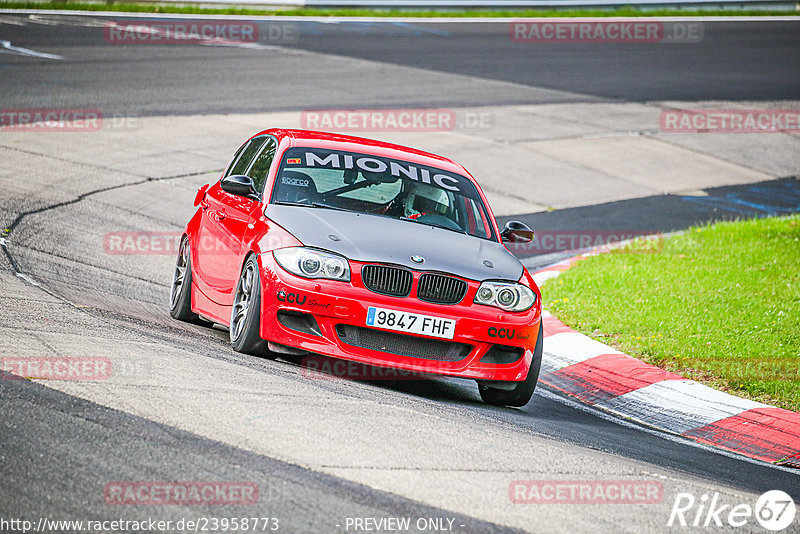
247, 156
260, 169
236, 158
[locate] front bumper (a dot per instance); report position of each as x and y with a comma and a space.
338, 328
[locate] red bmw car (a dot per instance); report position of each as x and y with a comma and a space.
362, 250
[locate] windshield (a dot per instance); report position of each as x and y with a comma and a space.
381, 186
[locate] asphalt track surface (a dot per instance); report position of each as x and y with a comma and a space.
734, 61
58, 449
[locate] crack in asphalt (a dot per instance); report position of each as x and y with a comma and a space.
4, 241
73, 162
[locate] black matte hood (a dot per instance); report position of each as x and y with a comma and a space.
373, 238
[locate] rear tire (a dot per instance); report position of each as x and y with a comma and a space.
522, 391
245, 330
180, 297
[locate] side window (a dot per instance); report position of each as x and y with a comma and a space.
246, 156
260, 169
477, 216
236, 158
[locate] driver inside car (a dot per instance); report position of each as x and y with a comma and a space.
424, 199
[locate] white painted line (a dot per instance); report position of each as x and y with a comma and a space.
53, 20
678, 405
6, 45
28, 279
568, 348
567, 262
438, 20
238, 44
597, 411
551, 364
13, 21
543, 276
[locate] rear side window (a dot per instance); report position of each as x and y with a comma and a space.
246, 156
260, 169
236, 158
475, 218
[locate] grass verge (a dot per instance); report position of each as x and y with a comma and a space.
352, 12
719, 304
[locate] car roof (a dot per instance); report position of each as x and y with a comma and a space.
317, 139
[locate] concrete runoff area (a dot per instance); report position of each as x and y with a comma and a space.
523, 166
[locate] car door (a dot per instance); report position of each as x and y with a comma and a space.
258, 172
237, 217
221, 229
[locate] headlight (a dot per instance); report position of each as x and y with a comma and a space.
508, 296
313, 263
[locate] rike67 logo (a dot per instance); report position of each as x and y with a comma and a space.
774, 511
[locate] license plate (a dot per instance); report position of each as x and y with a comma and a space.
412, 323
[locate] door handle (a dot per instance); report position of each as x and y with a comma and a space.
221, 214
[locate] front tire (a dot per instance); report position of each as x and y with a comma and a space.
246, 313
522, 391
180, 296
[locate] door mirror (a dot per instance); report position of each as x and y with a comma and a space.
201, 193
239, 185
516, 232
